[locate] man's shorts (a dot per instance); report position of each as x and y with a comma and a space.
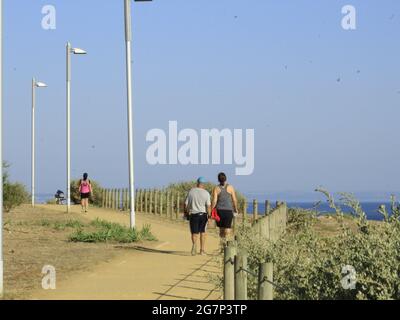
198, 223
226, 219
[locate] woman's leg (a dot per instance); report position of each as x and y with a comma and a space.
83, 204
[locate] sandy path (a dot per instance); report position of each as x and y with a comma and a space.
165, 270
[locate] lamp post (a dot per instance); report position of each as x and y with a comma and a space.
128, 42
70, 51
35, 84
1, 151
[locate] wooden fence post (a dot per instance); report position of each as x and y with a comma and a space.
167, 204
141, 200
146, 204
156, 202
178, 206
112, 199
161, 203
126, 199
265, 289
103, 200
241, 276
151, 201
229, 271
255, 210
172, 216
244, 211
119, 199
267, 207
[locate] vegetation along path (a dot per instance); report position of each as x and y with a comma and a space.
163, 270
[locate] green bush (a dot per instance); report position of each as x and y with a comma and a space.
105, 231
308, 265
14, 194
96, 197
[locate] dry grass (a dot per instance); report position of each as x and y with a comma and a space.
34, 238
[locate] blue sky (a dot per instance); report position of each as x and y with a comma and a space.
272, 66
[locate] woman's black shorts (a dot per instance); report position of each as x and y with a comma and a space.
226, 219
85, 195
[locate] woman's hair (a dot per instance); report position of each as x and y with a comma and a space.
222, 178
85, 176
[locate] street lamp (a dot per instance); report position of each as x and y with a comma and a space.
128, 41
70, 51
1, 151
35, 84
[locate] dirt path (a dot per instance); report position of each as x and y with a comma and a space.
154, 272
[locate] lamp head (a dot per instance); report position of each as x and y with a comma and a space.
78, 51
40, 85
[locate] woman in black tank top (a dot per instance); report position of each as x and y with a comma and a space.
225, 201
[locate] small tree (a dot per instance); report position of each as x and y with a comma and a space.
14, 194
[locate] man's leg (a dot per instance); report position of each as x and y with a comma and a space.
195, 236
203, 237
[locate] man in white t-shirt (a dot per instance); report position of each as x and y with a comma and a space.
198, 206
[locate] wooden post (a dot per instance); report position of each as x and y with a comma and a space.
178, 207
108, 198
229, 271
167, 206
119, 193
155, 202
103, 200
241, 276
141, 200
265, 289
255, 210
267, 207
161, 203
112, 199
146, 204
126, 198
172, 206
244, 211
150, 201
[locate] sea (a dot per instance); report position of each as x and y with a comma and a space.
370, 208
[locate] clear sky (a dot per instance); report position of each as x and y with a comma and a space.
324, 102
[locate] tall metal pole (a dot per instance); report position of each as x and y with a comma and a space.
33, 141
1, 151
68, 127
128, 39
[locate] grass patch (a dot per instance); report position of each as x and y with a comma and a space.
104, 231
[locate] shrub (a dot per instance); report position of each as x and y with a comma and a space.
308, 265
111, 232
96, 197
14, 194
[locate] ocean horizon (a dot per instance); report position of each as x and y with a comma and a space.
369, 207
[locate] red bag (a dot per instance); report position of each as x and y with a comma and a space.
215, 216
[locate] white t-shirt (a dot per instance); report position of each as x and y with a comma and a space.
198, 200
